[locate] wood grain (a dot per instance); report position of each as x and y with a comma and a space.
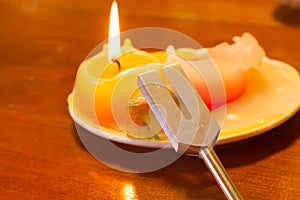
42, 44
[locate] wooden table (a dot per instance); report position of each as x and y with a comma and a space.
42, 44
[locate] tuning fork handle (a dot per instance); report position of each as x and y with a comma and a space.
213, 163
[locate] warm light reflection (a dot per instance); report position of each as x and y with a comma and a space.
129, 192
114, 45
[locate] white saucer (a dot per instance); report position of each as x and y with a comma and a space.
272, 96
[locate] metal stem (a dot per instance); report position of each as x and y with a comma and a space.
215, 166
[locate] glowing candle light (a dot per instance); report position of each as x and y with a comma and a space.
114, 44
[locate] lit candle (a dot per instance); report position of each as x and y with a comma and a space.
117, 82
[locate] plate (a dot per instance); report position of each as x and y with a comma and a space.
271, 97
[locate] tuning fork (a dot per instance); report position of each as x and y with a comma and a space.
185, 119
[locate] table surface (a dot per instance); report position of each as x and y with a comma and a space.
42, 44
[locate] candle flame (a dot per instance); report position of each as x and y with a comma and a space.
114, 44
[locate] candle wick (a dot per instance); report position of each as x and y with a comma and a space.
116, 61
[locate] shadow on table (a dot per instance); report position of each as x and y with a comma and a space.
287, 15
188, 174
262, 146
